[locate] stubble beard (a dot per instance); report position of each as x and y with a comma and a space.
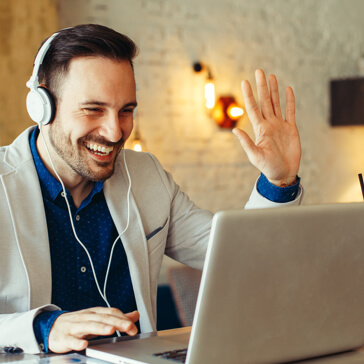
77, 161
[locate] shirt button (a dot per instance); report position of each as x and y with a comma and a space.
62, 194
83, 269
78, 217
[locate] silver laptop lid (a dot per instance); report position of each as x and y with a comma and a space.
281, 285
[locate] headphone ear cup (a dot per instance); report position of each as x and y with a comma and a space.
41, 106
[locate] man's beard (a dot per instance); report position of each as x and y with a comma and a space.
76, 160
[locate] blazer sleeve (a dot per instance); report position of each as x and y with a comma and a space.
257, 201
189, 227
16, 329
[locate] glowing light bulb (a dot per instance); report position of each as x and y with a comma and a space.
137, 146
235, 112
210, 95
137, 143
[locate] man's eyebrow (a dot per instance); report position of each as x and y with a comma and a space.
134, 104
100, 103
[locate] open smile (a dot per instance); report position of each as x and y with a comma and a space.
98, 149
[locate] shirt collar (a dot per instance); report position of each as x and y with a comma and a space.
51, 187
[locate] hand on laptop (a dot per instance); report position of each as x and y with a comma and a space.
71, 330
277, 149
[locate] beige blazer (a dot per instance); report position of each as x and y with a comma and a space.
156, 201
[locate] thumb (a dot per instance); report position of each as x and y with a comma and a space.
246, 142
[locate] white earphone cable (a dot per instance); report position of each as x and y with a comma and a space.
126, 227
102, 294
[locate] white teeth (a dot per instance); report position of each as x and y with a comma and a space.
98, 148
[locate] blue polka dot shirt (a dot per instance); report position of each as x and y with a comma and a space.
73, 283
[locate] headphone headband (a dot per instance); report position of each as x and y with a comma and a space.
33, 82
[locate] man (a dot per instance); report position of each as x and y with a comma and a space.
83, 260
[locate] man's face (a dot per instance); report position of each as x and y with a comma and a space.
94, 116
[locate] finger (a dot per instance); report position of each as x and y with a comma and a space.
133, 316
88, 329
263, 94
248, 145
290, 106
97, 321
129, 327
103, 310
69, 343
119, 320
122, 322
274, 95
251, 106
109, 311
77, 344
101, 324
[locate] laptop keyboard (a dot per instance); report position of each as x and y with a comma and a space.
175, 355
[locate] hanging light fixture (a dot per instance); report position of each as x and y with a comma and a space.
225, 111
209, 85
137, 142
210, 92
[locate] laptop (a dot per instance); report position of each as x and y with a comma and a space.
278, 285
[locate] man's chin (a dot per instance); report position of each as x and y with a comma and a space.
100, 176
97, 174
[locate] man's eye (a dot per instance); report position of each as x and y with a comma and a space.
127, 112
91, 110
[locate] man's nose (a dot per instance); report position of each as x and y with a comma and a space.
110, 128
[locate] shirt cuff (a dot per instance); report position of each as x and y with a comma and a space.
275, 193
42, 325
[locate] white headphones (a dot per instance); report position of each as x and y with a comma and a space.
40, 103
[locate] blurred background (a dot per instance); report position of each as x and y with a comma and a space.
305, 43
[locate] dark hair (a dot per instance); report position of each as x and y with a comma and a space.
82, 41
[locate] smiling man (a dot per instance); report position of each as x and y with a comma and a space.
94, 119
85, 224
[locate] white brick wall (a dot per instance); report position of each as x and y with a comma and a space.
304, 42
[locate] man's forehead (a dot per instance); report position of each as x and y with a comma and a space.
100, 67
94, 74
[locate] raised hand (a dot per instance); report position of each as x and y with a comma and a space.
277, 148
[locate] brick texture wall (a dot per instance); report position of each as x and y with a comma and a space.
304, 42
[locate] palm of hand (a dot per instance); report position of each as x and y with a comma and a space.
277, 149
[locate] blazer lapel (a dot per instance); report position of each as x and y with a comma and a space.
134, 241
25, 202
